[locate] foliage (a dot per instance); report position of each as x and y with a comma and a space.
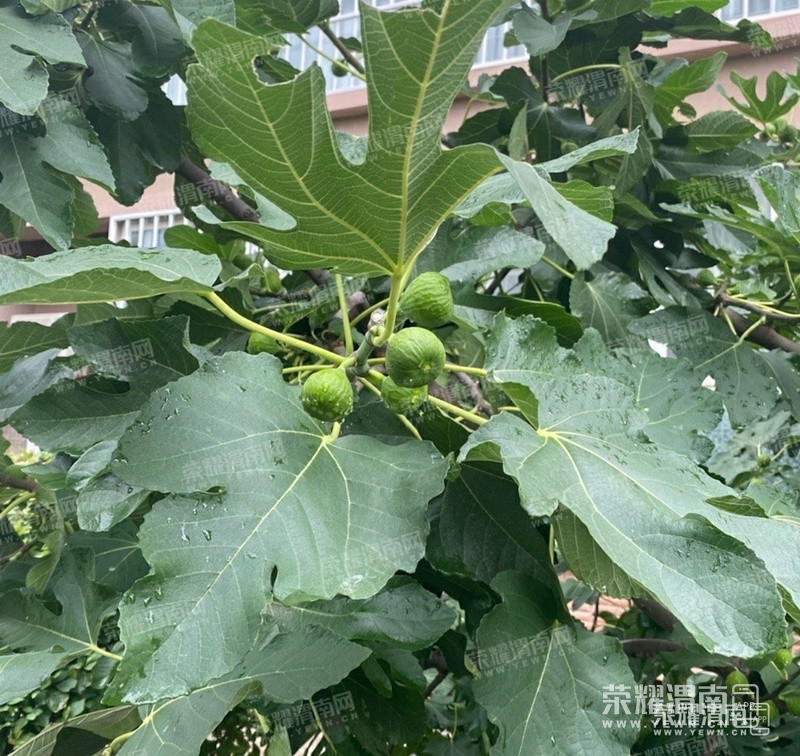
196, 564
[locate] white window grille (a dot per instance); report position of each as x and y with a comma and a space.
147, 229
144, 229
738, 9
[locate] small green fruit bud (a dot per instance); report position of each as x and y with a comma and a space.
705, 278
735, 678
260, 342
783, 658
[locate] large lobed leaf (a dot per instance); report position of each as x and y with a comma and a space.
329, 516
365, 218
643, 505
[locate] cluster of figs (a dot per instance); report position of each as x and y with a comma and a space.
414, 356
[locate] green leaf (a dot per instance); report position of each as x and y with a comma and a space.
157, 42
595, 200
403, 614
114, 86
139, 150
583, 237
608, 302
542, 682
22, 673
474, 252
787, 376
682, 164
23, 82
689, 79
540, 36
71, 416
603, 479
619, 144
298, 15
149, 353
782, 190
479, 529
237, 425
41, 196
287, 668
103, 273
112, 558
583, 456
719, 130
106, 500
671, 7
28, 377
407, 180
772, 106
739, 372
606, 10
105, 723
587, 561
30, 624
25, 338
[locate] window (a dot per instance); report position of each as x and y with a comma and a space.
147, 229
143, 229
737, 9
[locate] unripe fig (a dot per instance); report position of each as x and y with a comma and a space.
792, 705
400, 399
260, 342
735, 678
272, 279
783, 658
428, 300
327, 395
705, 278
414, 357
768, 712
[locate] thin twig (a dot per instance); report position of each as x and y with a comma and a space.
761, 335
216, 190
596, 614
18, 553
662, 616
494, 284
433, 684
649, 646
475, 393
785, 683
25, 484
341, 47
766, 312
